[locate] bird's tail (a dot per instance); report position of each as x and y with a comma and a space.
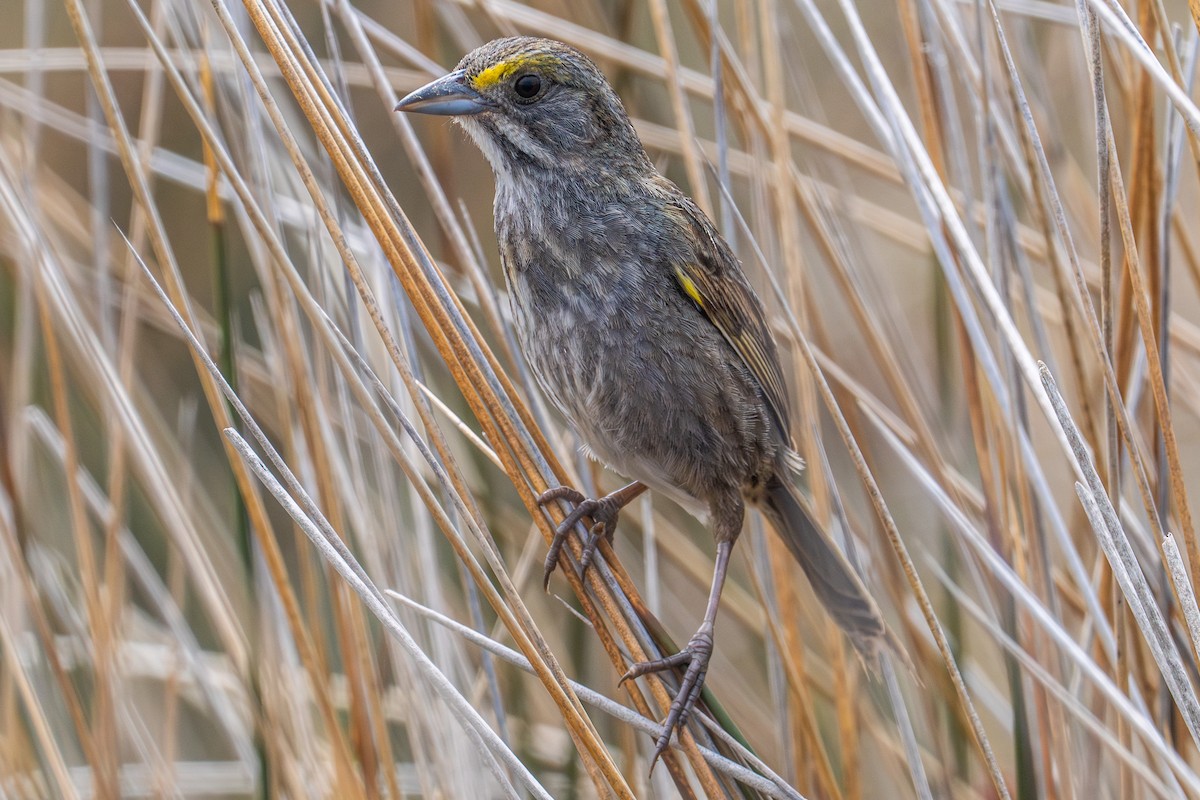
835, 582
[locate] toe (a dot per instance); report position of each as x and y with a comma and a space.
560, 493
696, 656
660, 665
660, 747
556, 546
598, 531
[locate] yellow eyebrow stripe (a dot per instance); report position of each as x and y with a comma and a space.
500, 71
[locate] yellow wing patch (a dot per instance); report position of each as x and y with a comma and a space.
501, 70
689, 287
716, 284
730, 305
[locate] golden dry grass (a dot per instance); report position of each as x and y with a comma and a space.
268, 455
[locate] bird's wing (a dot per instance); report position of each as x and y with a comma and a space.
715, 283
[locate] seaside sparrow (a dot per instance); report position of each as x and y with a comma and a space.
639, 325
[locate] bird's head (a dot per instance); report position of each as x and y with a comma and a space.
535, 104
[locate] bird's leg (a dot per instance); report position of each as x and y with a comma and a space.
603, 512
695, 655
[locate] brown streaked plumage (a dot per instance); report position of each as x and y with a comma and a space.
639, 325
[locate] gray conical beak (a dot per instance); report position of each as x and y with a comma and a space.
449, 96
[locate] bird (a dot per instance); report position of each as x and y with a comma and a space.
640, 326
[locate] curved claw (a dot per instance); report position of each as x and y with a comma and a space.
696, 655
603, 512
556, 546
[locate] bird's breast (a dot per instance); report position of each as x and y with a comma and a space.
644, 379
566, 308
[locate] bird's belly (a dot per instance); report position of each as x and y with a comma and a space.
659, 400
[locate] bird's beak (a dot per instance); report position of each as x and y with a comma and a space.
448, 96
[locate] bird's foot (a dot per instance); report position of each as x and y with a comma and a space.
696, 656
603, 512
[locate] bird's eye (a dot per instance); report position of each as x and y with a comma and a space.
527, 86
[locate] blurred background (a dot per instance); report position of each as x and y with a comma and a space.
931, 196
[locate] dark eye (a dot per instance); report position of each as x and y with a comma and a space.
527, 86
